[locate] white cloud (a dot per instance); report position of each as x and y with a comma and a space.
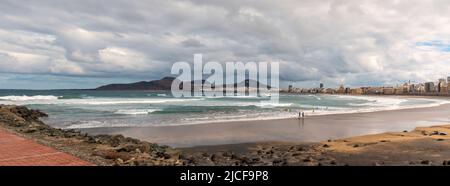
64, 67
352, 41
124, 58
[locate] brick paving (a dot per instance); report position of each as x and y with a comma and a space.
18, 151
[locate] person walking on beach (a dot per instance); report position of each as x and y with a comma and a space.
301, 115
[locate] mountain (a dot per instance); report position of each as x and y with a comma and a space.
162, 84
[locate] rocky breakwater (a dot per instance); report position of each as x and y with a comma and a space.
98, 149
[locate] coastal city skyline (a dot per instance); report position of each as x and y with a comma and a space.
440, 87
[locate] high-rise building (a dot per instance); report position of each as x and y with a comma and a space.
388, 90
413, 88
347, 90
341, 89
321, 85
405, 88
290, 88
448, 83
442, 86
429, 87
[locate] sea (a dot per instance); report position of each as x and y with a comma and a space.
77, 109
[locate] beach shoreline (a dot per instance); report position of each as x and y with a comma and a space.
311, 129
420, 146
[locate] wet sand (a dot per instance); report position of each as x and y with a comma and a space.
310, 129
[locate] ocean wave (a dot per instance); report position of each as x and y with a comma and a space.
202, 119
125, 101
373, 101
235, 97
435, 103
268, 104
29, 98
94, 124
60, 100
316, 97
369, 98
105, 101
136, 111
84, 96
321, 107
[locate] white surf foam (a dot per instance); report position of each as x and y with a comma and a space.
98, 101
29, 98
95, 124
271, 105
136, 111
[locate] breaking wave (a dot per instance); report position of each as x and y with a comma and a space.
29, 98
136, 111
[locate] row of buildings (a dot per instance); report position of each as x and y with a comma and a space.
440, 87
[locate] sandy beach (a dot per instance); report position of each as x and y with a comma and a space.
310, 129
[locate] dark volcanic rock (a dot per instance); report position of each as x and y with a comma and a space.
111, 154
426, 162
446, 163
27, 114
119, 150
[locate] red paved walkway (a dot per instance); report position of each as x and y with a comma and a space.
18, 151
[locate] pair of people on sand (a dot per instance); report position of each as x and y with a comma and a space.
301, 115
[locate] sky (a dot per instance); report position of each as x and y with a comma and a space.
51, 44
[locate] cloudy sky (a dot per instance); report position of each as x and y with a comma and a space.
83, 44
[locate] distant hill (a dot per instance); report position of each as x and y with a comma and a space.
162, 84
